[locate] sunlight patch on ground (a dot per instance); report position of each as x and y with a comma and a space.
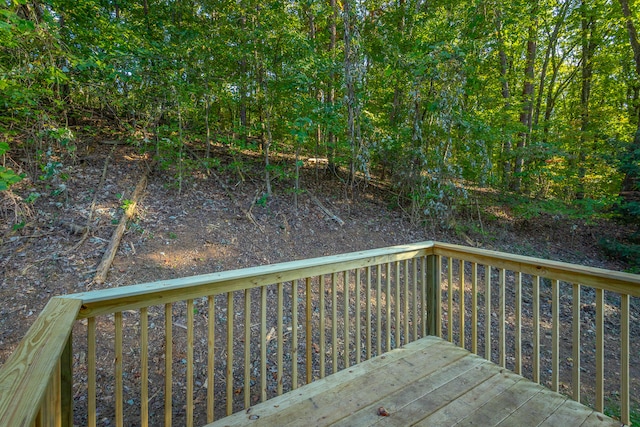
499, 212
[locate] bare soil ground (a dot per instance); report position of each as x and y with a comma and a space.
201, 229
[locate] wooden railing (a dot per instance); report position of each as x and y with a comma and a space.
188, 351
549, 321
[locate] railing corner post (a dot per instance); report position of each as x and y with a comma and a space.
433, 303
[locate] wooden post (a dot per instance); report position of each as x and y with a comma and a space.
433, 304
66, 383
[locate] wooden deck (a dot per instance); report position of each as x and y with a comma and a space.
429, 382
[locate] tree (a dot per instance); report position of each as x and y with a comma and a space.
630, 164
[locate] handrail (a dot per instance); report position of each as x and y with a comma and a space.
95, 303
27, 374
511, 275
599, 278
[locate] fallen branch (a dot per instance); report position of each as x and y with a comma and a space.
107, 259
250, 215
325, 210
87, 227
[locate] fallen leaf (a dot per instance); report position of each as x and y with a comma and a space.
382, 412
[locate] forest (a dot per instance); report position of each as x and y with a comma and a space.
538, 100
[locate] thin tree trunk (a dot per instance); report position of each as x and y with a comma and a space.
527, 101
631, 181
206, 121
506, 96
331, 86
553, 42
588, 24
349, 85
180, 150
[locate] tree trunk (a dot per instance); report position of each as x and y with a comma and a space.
631, 161
206, 121
506, 96
331, 92
588, 47
242, 107
350, 85
527, 100
553, 42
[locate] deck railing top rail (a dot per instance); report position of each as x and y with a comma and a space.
131, 297
598, 278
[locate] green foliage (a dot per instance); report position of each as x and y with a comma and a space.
624, 251
126, 204
262, 201
612, 409
585, 209
7, 176
419, 95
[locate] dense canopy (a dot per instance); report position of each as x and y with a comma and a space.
540, 98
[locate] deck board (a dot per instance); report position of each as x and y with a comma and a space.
429, 382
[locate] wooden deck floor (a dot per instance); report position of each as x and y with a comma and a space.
429, 382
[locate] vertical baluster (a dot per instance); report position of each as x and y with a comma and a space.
294, 334
263, 343
368, 311
624, 360
450, 299
414, 298
576, 342
334, 324
211, 321
91, 372
599, 403
398, 310
144, 367
119, 397
474, 308
279, 334
323, 328
438, 286
423, 309
345, 294
378, 310
462, 310
168, 363
405, 298
518, 325
502, 318
487, 312
189, 363
247, 348
555, 334
357, 314
308, 334
536, 328
388, 300
230, 351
